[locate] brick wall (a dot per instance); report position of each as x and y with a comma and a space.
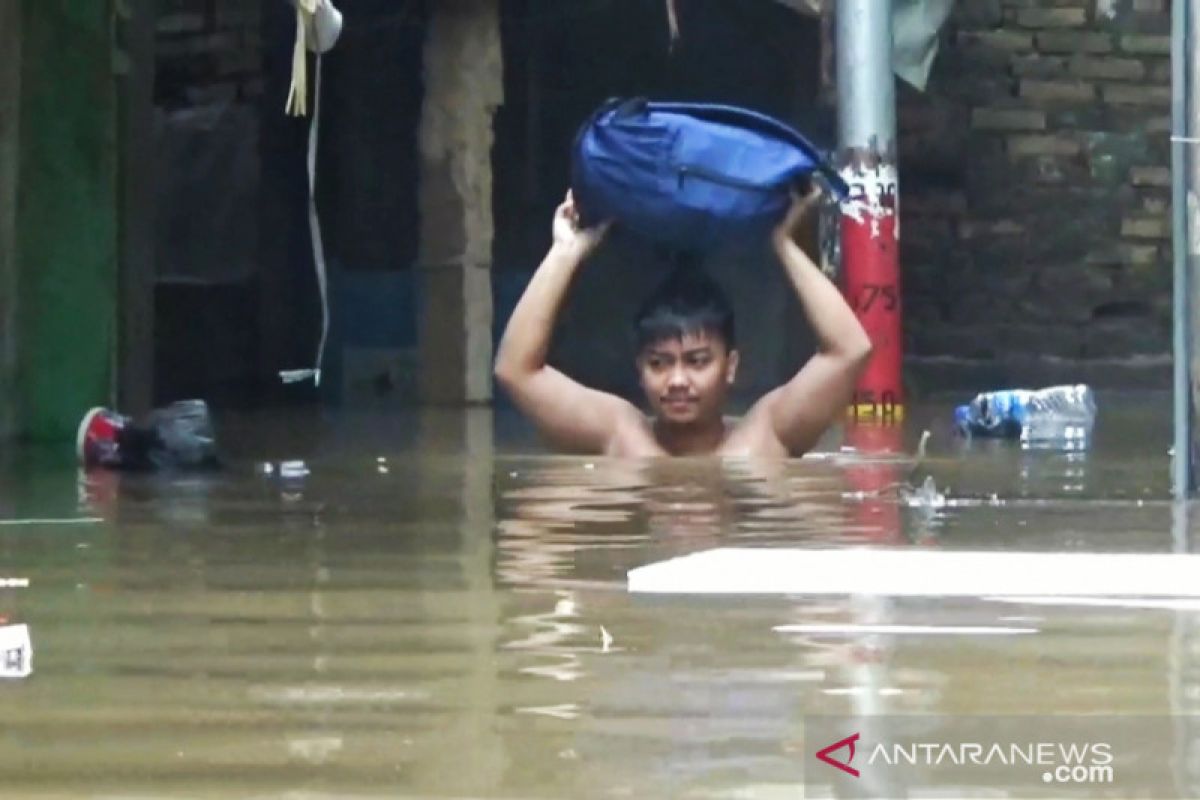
209, 82
208, 51
1036, 208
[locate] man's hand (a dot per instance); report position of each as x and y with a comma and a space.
570, 236
802, 206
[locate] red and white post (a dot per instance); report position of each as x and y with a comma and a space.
870, 217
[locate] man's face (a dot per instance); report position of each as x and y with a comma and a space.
686, 380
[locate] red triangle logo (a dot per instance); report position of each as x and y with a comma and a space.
844, 766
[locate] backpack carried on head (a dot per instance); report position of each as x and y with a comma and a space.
691, 176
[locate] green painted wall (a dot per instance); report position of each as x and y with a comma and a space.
10, 105
67, 215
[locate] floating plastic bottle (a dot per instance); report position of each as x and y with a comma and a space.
1061, 414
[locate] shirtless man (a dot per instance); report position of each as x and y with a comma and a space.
687, 360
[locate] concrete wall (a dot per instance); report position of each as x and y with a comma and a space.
1036, 199
209, 108
463, 87
237, 306
10, 104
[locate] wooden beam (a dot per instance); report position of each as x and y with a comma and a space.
137, 269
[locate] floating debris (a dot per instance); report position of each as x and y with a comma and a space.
922, 445
293, 469
16, 652
927, 496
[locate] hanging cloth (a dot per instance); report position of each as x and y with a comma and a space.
318, 26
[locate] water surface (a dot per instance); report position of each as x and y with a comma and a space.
437, 609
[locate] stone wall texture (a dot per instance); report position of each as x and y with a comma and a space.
208, 51
1036, 187
210, 204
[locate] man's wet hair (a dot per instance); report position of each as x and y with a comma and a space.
687, 302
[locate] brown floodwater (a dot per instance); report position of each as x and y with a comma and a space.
434, 607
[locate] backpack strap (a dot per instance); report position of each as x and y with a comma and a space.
753, 120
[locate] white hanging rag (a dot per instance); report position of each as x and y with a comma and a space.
318, 26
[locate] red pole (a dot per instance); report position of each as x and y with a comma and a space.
871, 268
870, 224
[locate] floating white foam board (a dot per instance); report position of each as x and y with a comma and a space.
1137, 603
921, 573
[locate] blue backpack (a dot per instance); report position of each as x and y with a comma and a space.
691, 176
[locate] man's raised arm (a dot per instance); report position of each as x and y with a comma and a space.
800, 411
570, 414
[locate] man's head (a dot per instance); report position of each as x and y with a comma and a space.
687, 356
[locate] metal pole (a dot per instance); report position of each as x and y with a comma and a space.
870, 225
1191, 82
1181, 464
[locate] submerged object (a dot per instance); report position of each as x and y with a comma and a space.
177, 436
692, 176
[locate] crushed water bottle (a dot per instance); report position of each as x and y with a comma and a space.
1057, 414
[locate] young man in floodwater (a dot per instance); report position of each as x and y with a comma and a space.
687, 360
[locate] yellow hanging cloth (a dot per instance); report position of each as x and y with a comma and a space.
297, 99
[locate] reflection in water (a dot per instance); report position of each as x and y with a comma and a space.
1183, 670
556, 514
875, 476
418, 616
550, 637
